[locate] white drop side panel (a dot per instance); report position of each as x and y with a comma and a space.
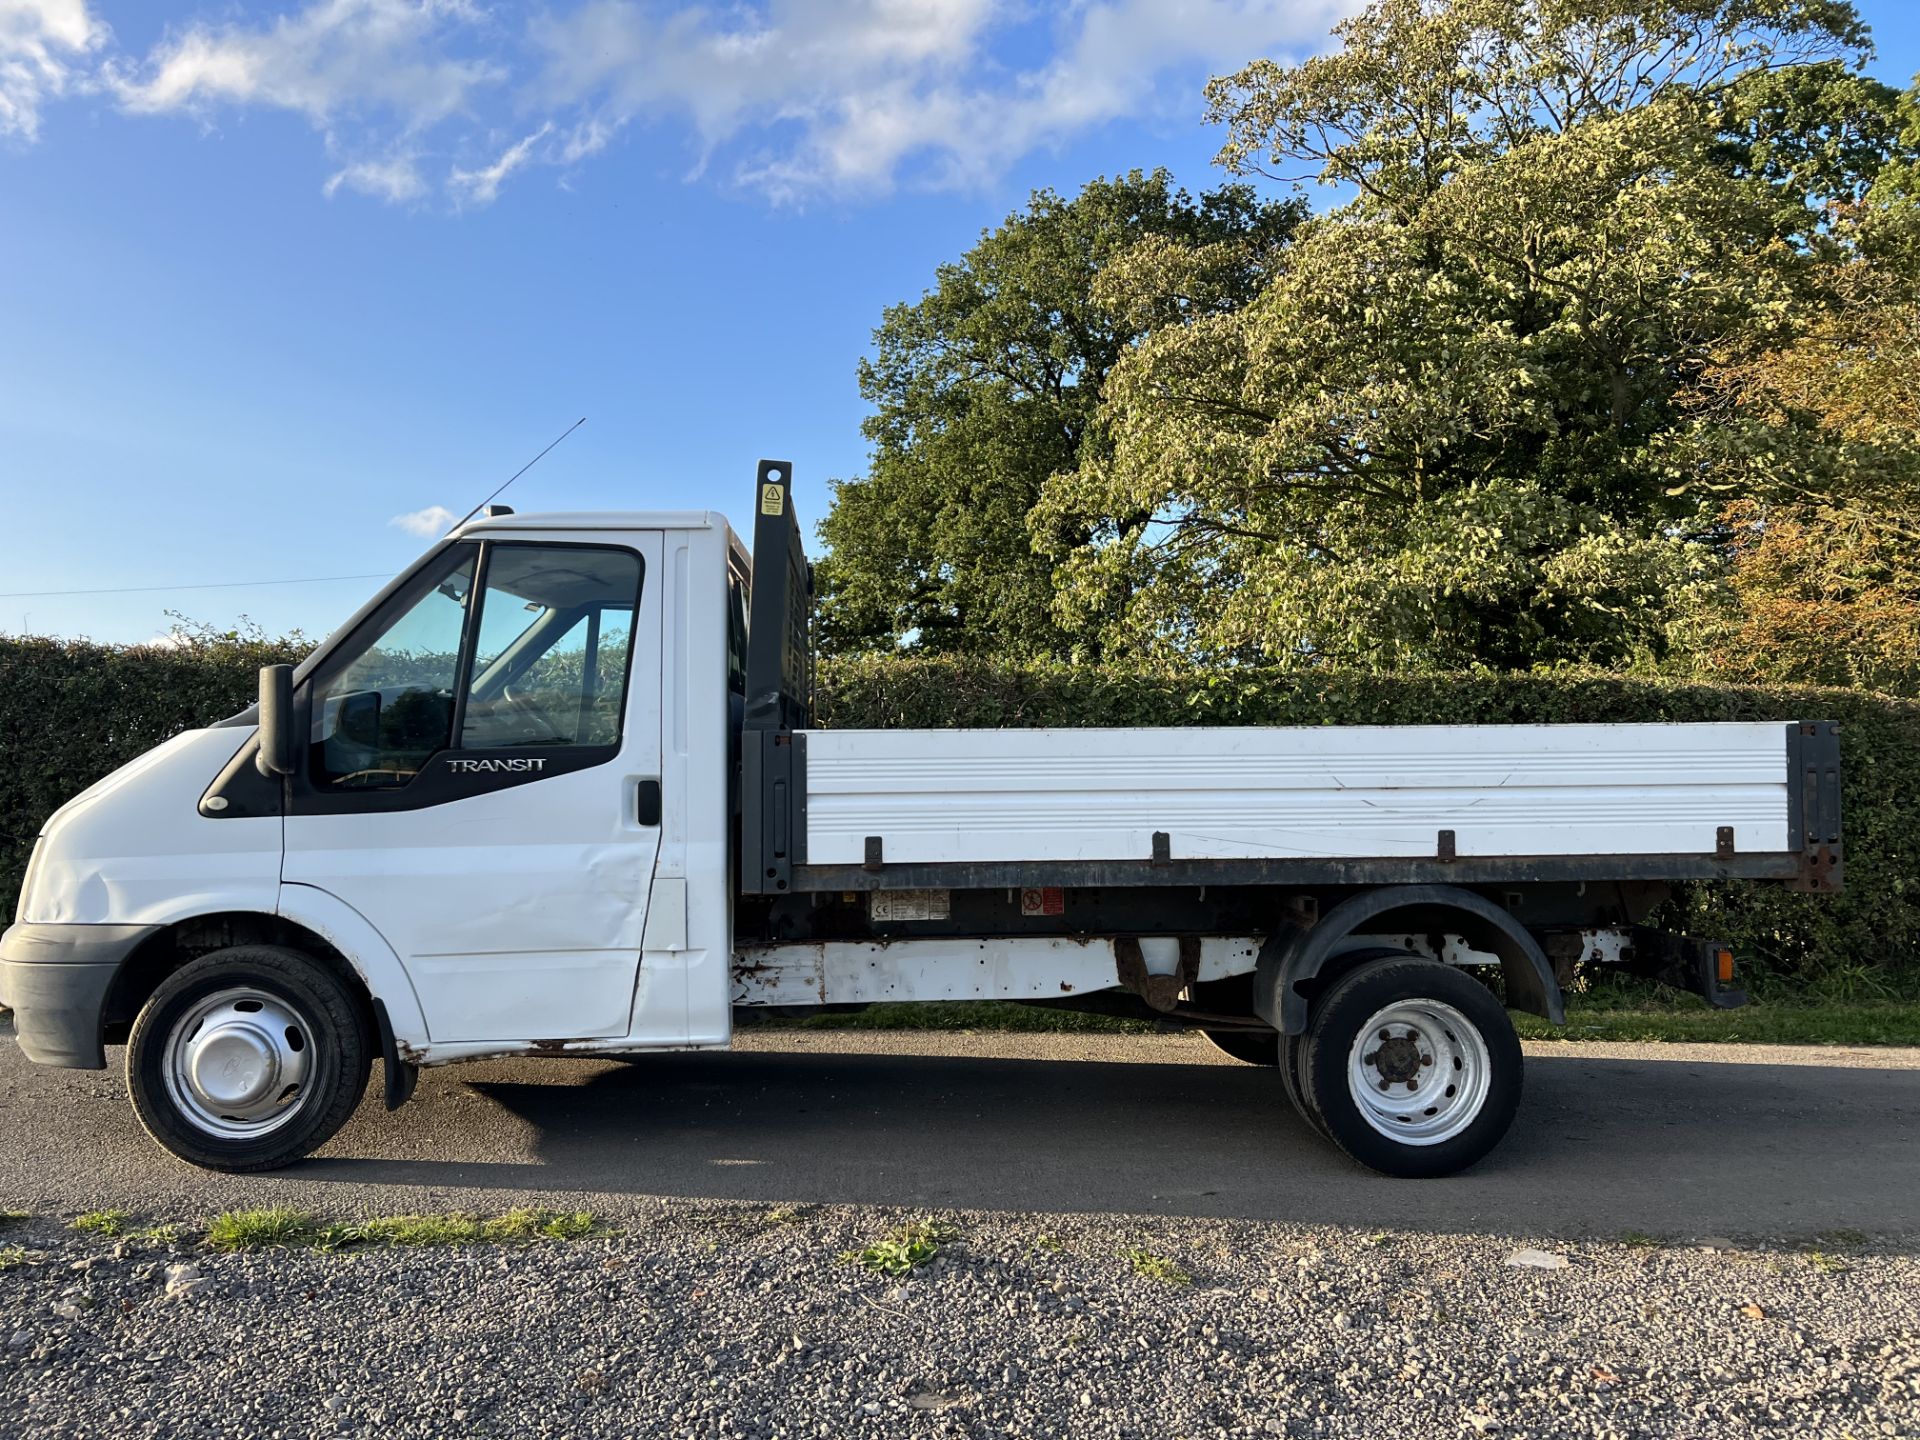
1347, 792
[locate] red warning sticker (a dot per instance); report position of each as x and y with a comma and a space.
1043, 900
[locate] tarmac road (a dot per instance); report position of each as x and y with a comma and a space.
1670, 1140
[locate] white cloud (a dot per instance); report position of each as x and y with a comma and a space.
396, 58
44, 47
429, 524
482, 187
854, 95
790, 97
396, 179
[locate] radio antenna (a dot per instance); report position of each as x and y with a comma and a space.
518, 473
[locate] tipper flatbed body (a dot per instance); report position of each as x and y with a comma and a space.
558, 790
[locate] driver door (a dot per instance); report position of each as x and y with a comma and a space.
473, 782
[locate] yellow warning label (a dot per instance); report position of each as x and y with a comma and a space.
770, 500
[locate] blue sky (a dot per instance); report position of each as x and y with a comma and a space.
274, 275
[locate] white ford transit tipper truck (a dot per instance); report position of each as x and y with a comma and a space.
553, 791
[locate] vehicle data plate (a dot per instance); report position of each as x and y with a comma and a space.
909, 904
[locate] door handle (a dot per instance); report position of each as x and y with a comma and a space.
646, 805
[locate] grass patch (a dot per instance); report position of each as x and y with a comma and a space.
902, 1251
1763, 1022
291, 1229
1640, 1240
12, 1255
262, 1229
1827, 1264
110, 1223
1155, 1266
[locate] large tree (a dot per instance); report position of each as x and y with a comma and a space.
1459, 422
1815, 443
990, 384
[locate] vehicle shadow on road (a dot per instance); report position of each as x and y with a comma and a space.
1602, 1145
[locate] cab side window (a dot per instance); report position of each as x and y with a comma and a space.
382, 713
555, 643
522, 646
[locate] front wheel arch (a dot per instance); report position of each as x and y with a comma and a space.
179, 944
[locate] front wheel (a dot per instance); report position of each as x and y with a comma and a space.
1412, 1067
247, 1059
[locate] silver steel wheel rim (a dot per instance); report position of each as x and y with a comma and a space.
237, 1063
1419, 1072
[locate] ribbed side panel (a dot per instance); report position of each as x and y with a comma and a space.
946, 796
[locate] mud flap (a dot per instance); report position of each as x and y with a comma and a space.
402, 1075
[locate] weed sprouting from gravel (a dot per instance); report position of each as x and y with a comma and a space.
12, 1255
1640, 1240
1156, 1266
14, 1217
110, 1223
903, 1250
524, 1224
261, 1229
287, 1229
1827, 1264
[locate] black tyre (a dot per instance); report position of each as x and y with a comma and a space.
1253, 1047
1293, 1052
247, 1058
1412, 1067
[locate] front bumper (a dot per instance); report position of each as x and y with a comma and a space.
55, 979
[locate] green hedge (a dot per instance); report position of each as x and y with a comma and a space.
1863, 943
69, 713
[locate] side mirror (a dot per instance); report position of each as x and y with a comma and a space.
276, 721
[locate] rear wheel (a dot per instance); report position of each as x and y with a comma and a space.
1293, 1053
1412, 1067
247, 1059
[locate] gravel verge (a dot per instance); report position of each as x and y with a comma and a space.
736, 1320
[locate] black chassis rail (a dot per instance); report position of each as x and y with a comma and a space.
773, 821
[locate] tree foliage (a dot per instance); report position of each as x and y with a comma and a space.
1456, 426
989, 384
1596, 361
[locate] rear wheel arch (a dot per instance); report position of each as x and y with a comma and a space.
1295, 962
